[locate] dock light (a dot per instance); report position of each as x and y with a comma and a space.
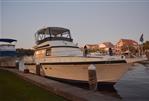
92, 77
92, 67
17, 64
38, 66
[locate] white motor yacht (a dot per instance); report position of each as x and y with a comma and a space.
63, 60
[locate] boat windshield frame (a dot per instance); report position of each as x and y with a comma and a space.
6, 40
52, 33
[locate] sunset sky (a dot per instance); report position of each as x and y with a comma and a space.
90, 21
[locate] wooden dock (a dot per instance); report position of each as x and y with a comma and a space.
67, 91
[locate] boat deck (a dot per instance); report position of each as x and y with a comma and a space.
70, 59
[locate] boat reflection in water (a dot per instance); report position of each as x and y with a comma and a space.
134, 86
61, 59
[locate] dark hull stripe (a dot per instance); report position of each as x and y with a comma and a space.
46, 46
78, 82
8, 53
7, 66
64, 47
80, 63
42, 46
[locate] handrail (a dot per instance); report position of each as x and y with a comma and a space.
53, 38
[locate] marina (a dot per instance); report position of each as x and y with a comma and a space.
62, 59
61, 67
74, 50
132, 86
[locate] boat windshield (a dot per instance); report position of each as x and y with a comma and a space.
52, 33
7, 42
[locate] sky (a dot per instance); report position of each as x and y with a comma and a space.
90, 21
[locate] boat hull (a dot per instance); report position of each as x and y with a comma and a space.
9, 62
106, 73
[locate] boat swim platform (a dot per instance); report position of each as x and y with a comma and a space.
67, 91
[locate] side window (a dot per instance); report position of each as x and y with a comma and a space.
48, 52
40, 53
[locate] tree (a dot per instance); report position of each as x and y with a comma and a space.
24, 52
146, 45
130, 49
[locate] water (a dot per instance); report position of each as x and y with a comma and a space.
134, 86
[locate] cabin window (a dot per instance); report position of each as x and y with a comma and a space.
48, 52
40, 53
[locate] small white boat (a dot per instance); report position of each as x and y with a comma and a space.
7, 52
136, 59
61, 59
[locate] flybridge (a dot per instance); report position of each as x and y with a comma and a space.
7, 49
52, 33
7, 40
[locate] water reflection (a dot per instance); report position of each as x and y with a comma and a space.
134, 86
146, 65
109, 91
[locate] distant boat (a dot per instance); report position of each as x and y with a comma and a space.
63, 60
7, 52
136, 59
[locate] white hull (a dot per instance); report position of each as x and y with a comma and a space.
135, 60
7, 61
106, 73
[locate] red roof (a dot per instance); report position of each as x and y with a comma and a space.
128, 42
108, 44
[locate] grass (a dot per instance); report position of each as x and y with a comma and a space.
13, 88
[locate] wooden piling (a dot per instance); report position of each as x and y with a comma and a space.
17, 64
147, 54
38, 66
92, 77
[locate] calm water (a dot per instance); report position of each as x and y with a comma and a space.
134, 86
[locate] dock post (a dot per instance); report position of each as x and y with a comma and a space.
38, 66
92, 77
17, 64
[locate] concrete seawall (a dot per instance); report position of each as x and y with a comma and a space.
67, 91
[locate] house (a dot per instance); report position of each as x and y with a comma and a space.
102, 47
126, 42
124, 45
105, 46
92, 47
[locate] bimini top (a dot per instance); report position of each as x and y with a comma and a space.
7, 40
52, 33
